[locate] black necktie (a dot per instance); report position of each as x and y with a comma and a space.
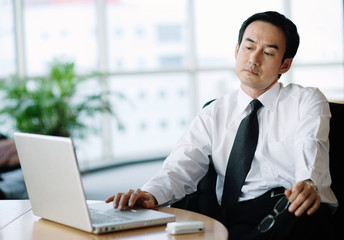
241, 156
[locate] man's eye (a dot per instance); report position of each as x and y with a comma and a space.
268, 54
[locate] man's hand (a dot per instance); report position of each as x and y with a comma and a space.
132, 198
303, 196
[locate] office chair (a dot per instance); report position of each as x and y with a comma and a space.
337, 158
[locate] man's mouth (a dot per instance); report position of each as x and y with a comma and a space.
251, 70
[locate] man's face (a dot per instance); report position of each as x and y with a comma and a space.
259, 57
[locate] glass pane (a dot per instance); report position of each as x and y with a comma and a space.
215, 84
217, 26
93, 137
329, 79
155, 112
146, 34
7, 41
320, 27
60, 29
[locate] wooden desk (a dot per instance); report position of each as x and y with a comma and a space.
18, 222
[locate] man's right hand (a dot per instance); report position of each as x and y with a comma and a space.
132, 198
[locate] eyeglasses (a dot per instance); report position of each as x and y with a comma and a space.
267, 223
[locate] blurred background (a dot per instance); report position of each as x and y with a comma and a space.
164, 58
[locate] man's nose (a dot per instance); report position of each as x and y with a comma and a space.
255, 58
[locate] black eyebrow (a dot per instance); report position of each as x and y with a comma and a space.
268, 45
250, 40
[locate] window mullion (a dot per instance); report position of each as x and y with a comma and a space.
103, 69
192, 55
19, 38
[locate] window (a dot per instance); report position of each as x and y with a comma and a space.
60, 29
155, 112
142, 31
319, 61
162, 60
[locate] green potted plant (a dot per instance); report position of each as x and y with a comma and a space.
47, 105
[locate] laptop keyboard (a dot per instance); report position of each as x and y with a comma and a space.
107, 216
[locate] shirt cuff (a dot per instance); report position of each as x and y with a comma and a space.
157, 193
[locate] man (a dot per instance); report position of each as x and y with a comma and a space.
292, 149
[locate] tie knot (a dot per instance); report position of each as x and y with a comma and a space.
255, 105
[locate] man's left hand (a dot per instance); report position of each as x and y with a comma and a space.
303, 197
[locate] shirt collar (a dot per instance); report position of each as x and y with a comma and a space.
243, 101
268, 98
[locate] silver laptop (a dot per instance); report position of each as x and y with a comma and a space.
56, 192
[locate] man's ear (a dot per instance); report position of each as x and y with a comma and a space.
236, 51
286, 65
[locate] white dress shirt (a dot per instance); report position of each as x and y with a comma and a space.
292, 145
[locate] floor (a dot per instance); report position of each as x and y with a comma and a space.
101, 184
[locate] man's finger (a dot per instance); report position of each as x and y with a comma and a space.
116, 200
315, 206
134, 197
123, 202
110, 199
295, 191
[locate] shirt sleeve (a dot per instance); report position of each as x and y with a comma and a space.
312, 143
185, 166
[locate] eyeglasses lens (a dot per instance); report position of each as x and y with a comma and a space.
281, 205
266, 223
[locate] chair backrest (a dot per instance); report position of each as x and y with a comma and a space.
204, 200
337, 156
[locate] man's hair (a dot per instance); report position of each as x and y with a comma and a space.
280, 21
